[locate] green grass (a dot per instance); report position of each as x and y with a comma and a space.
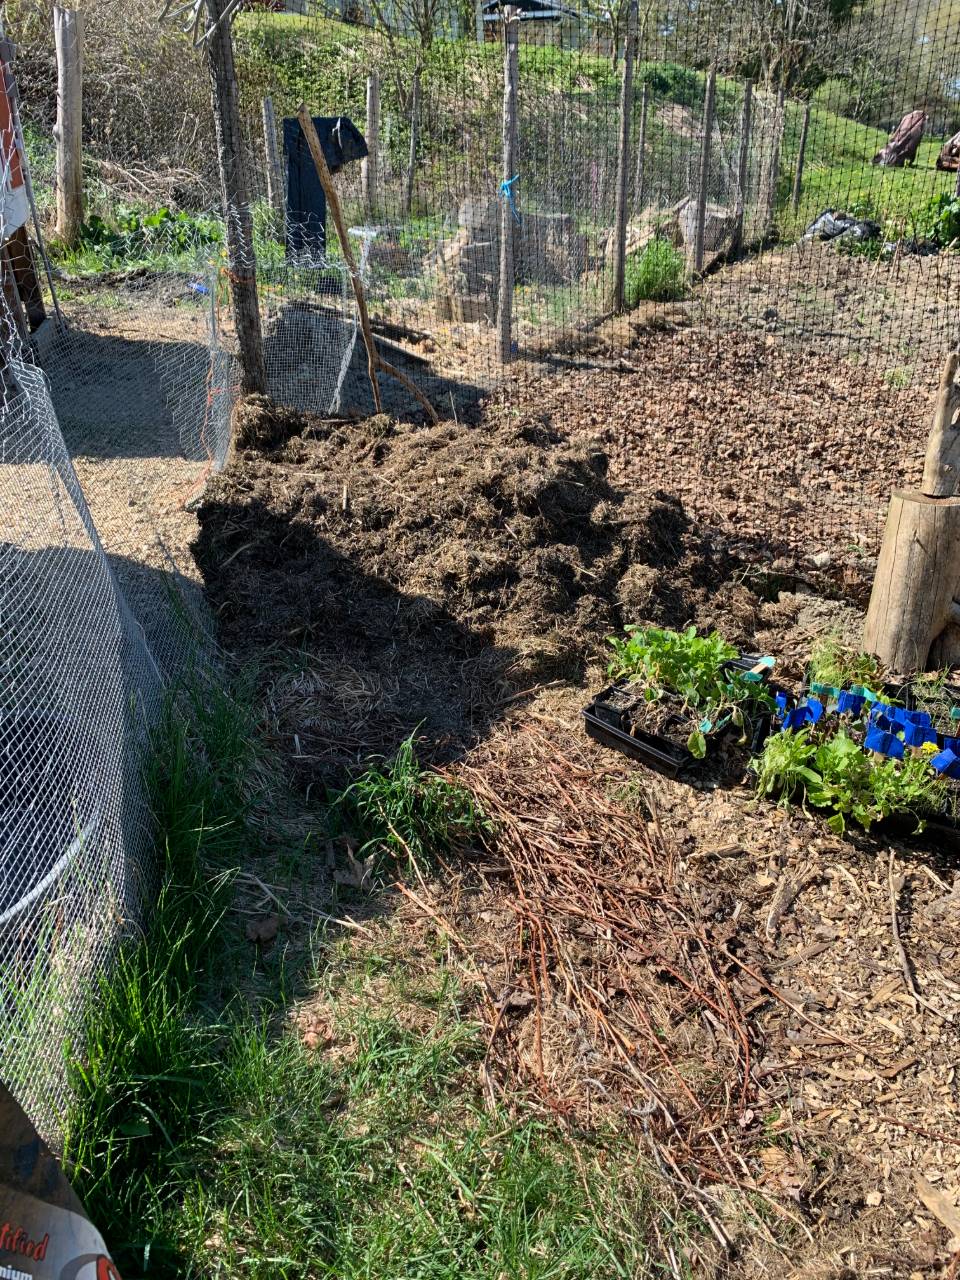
838, 174
657, 274
207, 1137
412, 814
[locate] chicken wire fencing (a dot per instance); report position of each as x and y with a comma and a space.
78, 689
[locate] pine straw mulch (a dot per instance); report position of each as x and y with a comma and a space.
772, 1009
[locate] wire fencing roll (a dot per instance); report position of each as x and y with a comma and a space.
78, 690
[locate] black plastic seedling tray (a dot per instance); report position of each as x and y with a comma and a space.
609, 726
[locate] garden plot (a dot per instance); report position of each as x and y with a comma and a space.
768, 1006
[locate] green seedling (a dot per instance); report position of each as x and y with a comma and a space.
693, 668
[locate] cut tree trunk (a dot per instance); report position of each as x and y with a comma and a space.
913, 620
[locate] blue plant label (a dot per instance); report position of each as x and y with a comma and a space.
915, 735
885, 744
816, 709
947, 762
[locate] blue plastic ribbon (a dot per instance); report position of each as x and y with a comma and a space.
506, 193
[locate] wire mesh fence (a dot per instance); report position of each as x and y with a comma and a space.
78, 685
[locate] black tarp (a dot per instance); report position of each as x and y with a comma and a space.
342, 143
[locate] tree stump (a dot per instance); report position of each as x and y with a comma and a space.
913, 620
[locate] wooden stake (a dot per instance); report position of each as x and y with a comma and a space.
778, 121
370, 165
236, 204
708, 101
508, 203
623, 161
743, 162
941, 465
68, 37
24, 272
374, 360
414, 142
274, 173
801, 154
638, 177
913, 615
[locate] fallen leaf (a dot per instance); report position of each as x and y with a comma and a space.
360, 873
262, 929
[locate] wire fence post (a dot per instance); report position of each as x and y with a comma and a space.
68, 37
370, 165
639, 174
623, 163
509, 214
743, 163
801, 154
274, 173
708, 104
414, 143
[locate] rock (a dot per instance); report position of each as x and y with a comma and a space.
821, 559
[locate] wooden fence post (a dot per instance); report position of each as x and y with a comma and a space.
623, 163
370, 165
743, 166
275, 194
639, 174
414, 143
478, 20
801, 153
236, 203
708, 102
779, 117
508, 193
68, 37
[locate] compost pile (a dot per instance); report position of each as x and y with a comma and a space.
428, 574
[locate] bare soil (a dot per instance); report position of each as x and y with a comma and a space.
772, 1009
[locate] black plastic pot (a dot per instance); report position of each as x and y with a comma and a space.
610, 725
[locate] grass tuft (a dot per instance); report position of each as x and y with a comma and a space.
657, 274
410, 811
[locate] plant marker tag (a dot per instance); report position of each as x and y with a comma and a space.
820, 690
706, 726
849, 704
796, 718
816, 709
955, 713
915, 735
884, 744
947, 762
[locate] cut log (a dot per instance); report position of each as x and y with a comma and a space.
911, 620
941, 466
